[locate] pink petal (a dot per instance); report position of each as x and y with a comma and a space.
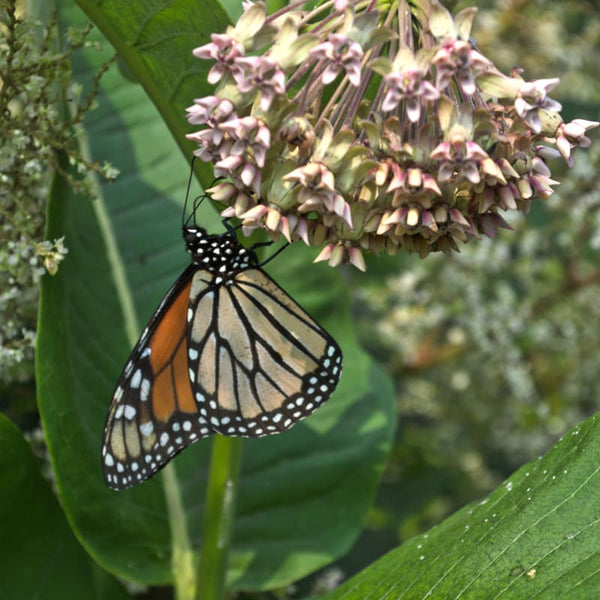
471, 172
273, 219
325, 254
413, 109
356, 258
229, 163
255, 214
330, 74
506, 196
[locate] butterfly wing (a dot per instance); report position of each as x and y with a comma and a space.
258, 362
153, 415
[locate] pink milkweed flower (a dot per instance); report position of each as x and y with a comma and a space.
224, 50
408, 85
339, 54
533, 96
262, 74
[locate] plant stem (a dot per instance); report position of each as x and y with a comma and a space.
218, 517
183, 557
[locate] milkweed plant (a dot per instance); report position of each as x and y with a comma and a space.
372, 127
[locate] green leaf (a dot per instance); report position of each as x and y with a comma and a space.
155, 40
40, 556
536, 536
303, 494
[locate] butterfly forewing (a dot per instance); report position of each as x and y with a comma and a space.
227, 351
153, 415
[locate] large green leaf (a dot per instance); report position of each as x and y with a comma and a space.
155, 40
535, 537
303, 494
40, 557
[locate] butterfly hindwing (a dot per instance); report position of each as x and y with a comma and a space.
259, 362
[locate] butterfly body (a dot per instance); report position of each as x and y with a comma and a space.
227, 351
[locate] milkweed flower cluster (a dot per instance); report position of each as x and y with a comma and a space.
367, 126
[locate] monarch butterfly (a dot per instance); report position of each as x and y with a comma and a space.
227, 351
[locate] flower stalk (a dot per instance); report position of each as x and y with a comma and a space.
218, 517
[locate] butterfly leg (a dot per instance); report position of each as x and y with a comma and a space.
279, 251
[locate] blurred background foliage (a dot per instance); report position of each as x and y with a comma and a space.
494, 351
40, 109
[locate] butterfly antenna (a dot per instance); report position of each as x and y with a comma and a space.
229, 227
184, 221
279, 251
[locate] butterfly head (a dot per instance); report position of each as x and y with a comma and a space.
220, 254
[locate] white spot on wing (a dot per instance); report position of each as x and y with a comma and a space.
136, 379
129, 412
144, 389
147, 428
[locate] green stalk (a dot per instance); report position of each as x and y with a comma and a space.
218, 517
182, 554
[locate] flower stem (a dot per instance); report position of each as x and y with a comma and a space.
218, 517
182, 560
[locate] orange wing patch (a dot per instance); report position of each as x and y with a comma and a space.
169, 331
